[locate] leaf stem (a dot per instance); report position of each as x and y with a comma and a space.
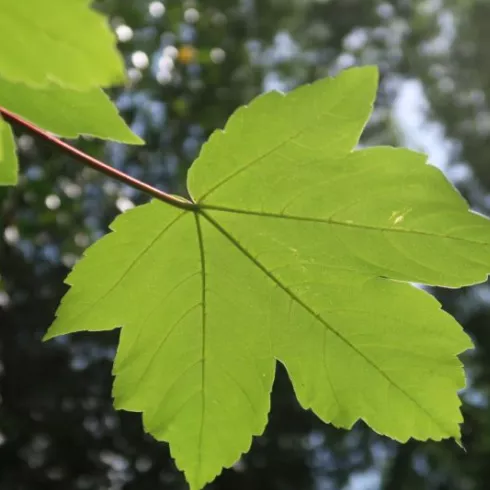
92, 162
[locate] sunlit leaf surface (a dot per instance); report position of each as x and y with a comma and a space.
299, 250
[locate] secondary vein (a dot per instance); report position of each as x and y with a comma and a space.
329, 221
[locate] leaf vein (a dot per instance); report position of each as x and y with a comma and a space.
128, 269
328, 221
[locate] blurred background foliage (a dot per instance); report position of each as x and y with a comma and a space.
190, 65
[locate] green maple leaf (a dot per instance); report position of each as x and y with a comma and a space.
298, 249
60, 41
8, 158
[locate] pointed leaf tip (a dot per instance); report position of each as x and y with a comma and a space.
322, 120
67, 113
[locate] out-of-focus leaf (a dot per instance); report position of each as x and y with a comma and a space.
67, 113
60, 41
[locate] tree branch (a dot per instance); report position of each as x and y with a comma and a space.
400, 470
97, 165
